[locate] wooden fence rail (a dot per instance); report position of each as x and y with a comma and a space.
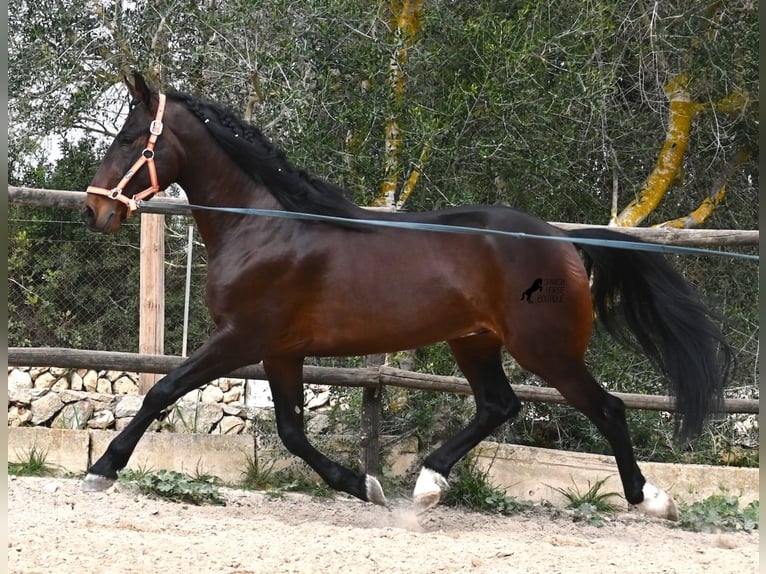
173, 206
373, 377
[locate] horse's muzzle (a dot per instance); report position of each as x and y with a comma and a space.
88, 216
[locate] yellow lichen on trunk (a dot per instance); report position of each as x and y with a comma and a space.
412, 179
407, 23
388, 187
406, 17
711, 202
735, 103
681, 114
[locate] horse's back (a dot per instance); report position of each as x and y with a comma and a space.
526, 290
541, 289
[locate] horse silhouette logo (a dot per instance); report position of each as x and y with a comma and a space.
537, 285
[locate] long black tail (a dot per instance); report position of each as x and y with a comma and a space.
639, 292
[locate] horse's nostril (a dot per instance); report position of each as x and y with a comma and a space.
88, 216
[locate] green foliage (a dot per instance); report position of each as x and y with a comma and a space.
276, 482
289, 480
67, 287
298, 475
589, 506
180, 487
717, 513
431, 416
589, 514
33, 463
594, 496
72, 288
470, 487
200, 325
257, 476
536, 105
562, 427
134, 474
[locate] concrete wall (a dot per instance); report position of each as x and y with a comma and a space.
529, 473
526, 473
224, 456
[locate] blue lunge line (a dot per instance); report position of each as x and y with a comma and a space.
616, 243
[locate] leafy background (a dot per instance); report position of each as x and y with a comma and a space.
547, 106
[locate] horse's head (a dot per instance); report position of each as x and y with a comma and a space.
140, 162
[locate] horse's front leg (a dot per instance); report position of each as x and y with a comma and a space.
218, 356
286, 382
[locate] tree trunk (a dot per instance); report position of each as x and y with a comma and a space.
681, 115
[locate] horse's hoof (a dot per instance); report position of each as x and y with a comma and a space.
658, 503
375, 491
96, 483
429, 489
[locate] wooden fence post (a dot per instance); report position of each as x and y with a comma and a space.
371, 406
151, 338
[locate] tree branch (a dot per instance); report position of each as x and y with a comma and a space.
681, 114
713, 198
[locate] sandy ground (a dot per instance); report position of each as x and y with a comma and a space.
54, 527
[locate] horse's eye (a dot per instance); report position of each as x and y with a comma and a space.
126, 138
133, 103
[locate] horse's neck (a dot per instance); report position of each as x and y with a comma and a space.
213, 180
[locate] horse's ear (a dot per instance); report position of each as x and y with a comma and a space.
138, 88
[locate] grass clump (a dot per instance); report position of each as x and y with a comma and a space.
717, 513
287, 481
257, 476
32, 463
134, 474
472, 489
275, 483
589, 506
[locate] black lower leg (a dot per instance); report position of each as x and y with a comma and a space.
205, 365
607, 413
488, 417
285, 379
480, 360
613, 425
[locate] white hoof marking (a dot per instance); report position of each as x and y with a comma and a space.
96, 483
429, 488
375, 491
658, 503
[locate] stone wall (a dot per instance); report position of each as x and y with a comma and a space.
90, 399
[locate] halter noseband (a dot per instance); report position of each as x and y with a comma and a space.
147, 157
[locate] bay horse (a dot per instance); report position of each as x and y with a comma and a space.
281, 289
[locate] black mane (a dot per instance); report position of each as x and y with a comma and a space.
265, 163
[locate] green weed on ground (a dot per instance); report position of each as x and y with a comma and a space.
177, 486
32, 463
276, 482
719, 513
472, 489
589, 506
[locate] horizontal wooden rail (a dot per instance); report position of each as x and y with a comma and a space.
362, 377
173, 206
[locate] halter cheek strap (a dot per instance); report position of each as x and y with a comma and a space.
146, 157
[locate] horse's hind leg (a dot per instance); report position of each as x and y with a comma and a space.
479, 358
607, 413
286, 382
